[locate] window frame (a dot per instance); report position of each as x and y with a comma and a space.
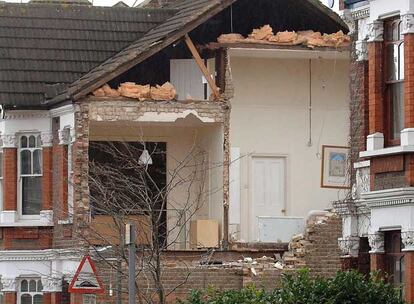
20, 176
394, 253
20, 293
389, 84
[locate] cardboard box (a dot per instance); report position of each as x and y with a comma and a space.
204, 234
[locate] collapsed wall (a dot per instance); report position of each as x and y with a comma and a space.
317, 249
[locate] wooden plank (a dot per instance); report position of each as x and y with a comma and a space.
202, 67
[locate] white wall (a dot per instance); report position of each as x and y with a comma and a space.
182, 142
270, 116
380, 9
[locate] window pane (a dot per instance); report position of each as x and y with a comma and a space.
396, 31
401, 63
397, 102
31, 195
392, 62
38, 299
37, 161
25, 162
26, 299
23, 142
32, 141
38, 141
39, 285
32, 286
24, 286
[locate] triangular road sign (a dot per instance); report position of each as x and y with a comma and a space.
86, 279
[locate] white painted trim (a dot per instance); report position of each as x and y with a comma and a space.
8, 217
387, 151
389, 197
375, 141
26, 114
39, 255
362, 164
62, 110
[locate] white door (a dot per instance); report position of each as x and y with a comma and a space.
268, 196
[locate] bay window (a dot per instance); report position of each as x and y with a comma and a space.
394, 79
30, 291
30, 175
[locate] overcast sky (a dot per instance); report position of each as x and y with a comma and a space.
95, 2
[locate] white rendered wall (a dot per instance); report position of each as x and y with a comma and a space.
182, 141
270, 115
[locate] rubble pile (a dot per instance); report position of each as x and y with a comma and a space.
311, 39
136, 91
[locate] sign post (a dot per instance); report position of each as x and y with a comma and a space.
130, 237
86, 281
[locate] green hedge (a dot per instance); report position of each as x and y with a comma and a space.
345, 288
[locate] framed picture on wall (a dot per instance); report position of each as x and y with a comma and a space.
335, 162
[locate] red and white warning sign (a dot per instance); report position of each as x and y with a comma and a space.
86, 279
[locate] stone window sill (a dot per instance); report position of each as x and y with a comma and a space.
388, 151
11, 219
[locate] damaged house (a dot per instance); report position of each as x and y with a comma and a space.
259, 90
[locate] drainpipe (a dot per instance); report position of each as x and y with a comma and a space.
310, 104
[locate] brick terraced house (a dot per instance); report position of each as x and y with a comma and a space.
378, 227
261, 108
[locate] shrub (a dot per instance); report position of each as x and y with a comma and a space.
345, 288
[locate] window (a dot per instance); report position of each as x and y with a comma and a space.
30, 175
394, 258
394, 79
30, 291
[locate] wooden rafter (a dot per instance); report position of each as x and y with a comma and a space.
202, 66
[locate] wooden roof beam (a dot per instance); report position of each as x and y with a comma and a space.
203, 68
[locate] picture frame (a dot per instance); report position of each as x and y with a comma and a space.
335, 162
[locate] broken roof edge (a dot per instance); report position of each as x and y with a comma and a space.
163, 43
151, 50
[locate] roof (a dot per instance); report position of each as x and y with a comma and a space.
191, 14
45, 47
52, 53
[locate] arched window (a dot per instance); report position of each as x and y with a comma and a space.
394, 79
30, 291
30, 174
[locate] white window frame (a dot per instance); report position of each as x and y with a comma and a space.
20, 176
70, 179
32, 293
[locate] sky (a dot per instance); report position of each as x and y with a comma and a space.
95, 2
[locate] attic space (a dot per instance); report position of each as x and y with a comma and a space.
241, 17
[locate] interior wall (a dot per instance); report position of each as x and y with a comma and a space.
270, 116
187, 151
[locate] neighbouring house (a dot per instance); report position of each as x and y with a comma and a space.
260, 88
378, 218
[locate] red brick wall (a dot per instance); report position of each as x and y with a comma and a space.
61, 181
375, 70
10, 298
10, 178
47, 178
409, 80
